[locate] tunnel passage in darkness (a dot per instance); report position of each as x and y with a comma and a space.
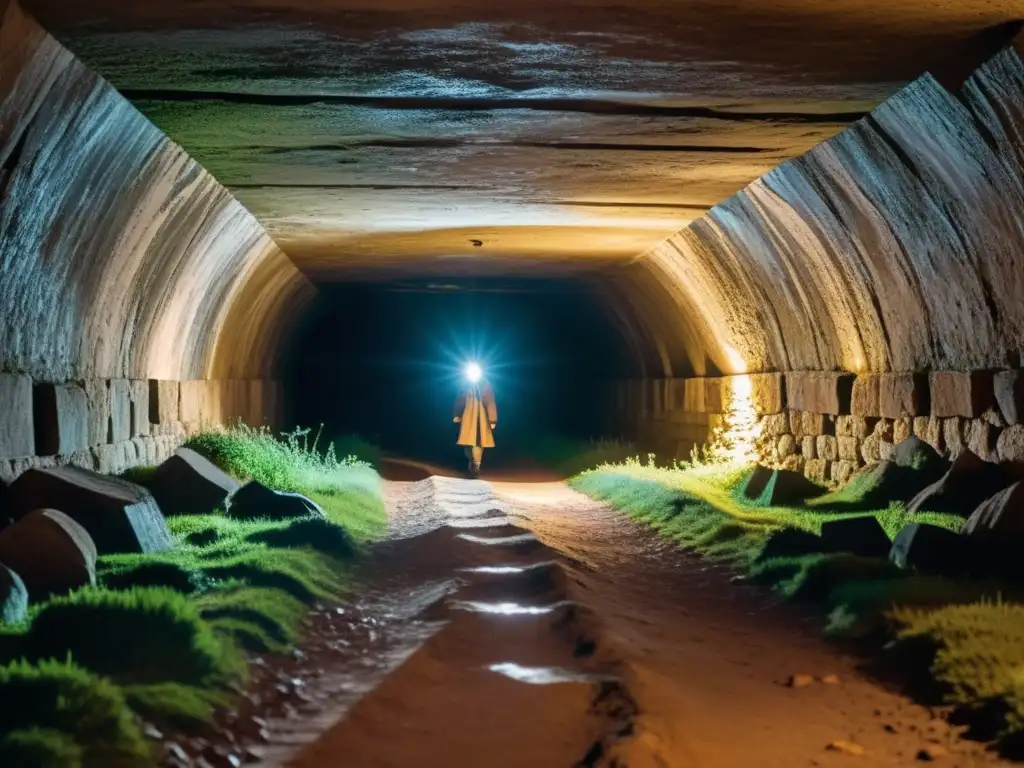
385, 361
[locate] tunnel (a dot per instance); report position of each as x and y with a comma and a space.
731, 292
186, 242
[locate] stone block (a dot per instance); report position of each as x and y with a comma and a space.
796, 424
110, 459
853, 426
767, 392
118, 515
902, 394
808, 447
902, 428
775, 425
17, 434
819, 391
870, 449
191, 396
140, 407
818, 471
785, 446
1010, 444
51, 552
981, 438
164, 401
954, 435
794, 463
1008, 389
929, 429
812, 424
120, 411
864, 396
886, 450
955, 393
714, 401
61, 419
842, 471
188, 483
848, 448
97, 392
693, 396
883, 430
255, 501
827, 447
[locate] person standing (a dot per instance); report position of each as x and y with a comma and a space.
476, 413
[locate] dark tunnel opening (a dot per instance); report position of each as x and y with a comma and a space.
547, 346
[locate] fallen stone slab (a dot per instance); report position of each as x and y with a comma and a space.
13, 597
779, 487
790, 542
51, 552
862, 536
119, 516
915, 453
190, 484
255, 500
1000, 518
969, 481
933, 549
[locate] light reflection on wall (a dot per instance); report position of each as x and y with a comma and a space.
734, 440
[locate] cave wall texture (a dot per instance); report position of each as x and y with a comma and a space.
896, 245
122, 264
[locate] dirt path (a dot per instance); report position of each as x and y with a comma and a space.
543, 629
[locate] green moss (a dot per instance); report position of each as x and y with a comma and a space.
40, 748
58, 696
143, 635
174, 705
277, 617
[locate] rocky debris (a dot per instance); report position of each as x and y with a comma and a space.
188, 483
933, 549
790, 542
255, 500
847, 748
862, 536
800, 680
13, 597
969, 481
118, 515
51, 552
931, 752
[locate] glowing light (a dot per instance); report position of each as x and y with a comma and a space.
474, 372
545, 675
734, 440
507, 609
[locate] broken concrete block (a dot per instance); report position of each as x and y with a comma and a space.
190, 484
119, 516
955, 393
51, 552
902, 394
254, 500
864, 396
61, 419
17, 434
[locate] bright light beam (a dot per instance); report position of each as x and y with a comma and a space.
474, 372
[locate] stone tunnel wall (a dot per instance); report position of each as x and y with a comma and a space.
896, 245
828, 424
138, 298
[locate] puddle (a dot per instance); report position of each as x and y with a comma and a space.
508, 609
546, 675
499, 541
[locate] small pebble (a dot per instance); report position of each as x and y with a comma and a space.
846, 747
931, 753
801, 680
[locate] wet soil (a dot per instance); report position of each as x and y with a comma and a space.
511, 623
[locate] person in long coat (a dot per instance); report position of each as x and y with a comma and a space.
477, 414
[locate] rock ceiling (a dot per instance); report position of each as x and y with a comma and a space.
387, 137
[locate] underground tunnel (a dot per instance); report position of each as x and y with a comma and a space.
746, 278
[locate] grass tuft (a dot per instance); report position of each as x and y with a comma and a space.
40, 748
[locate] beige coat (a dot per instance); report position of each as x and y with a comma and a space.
478, 410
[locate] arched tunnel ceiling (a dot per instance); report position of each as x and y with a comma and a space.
381, 138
